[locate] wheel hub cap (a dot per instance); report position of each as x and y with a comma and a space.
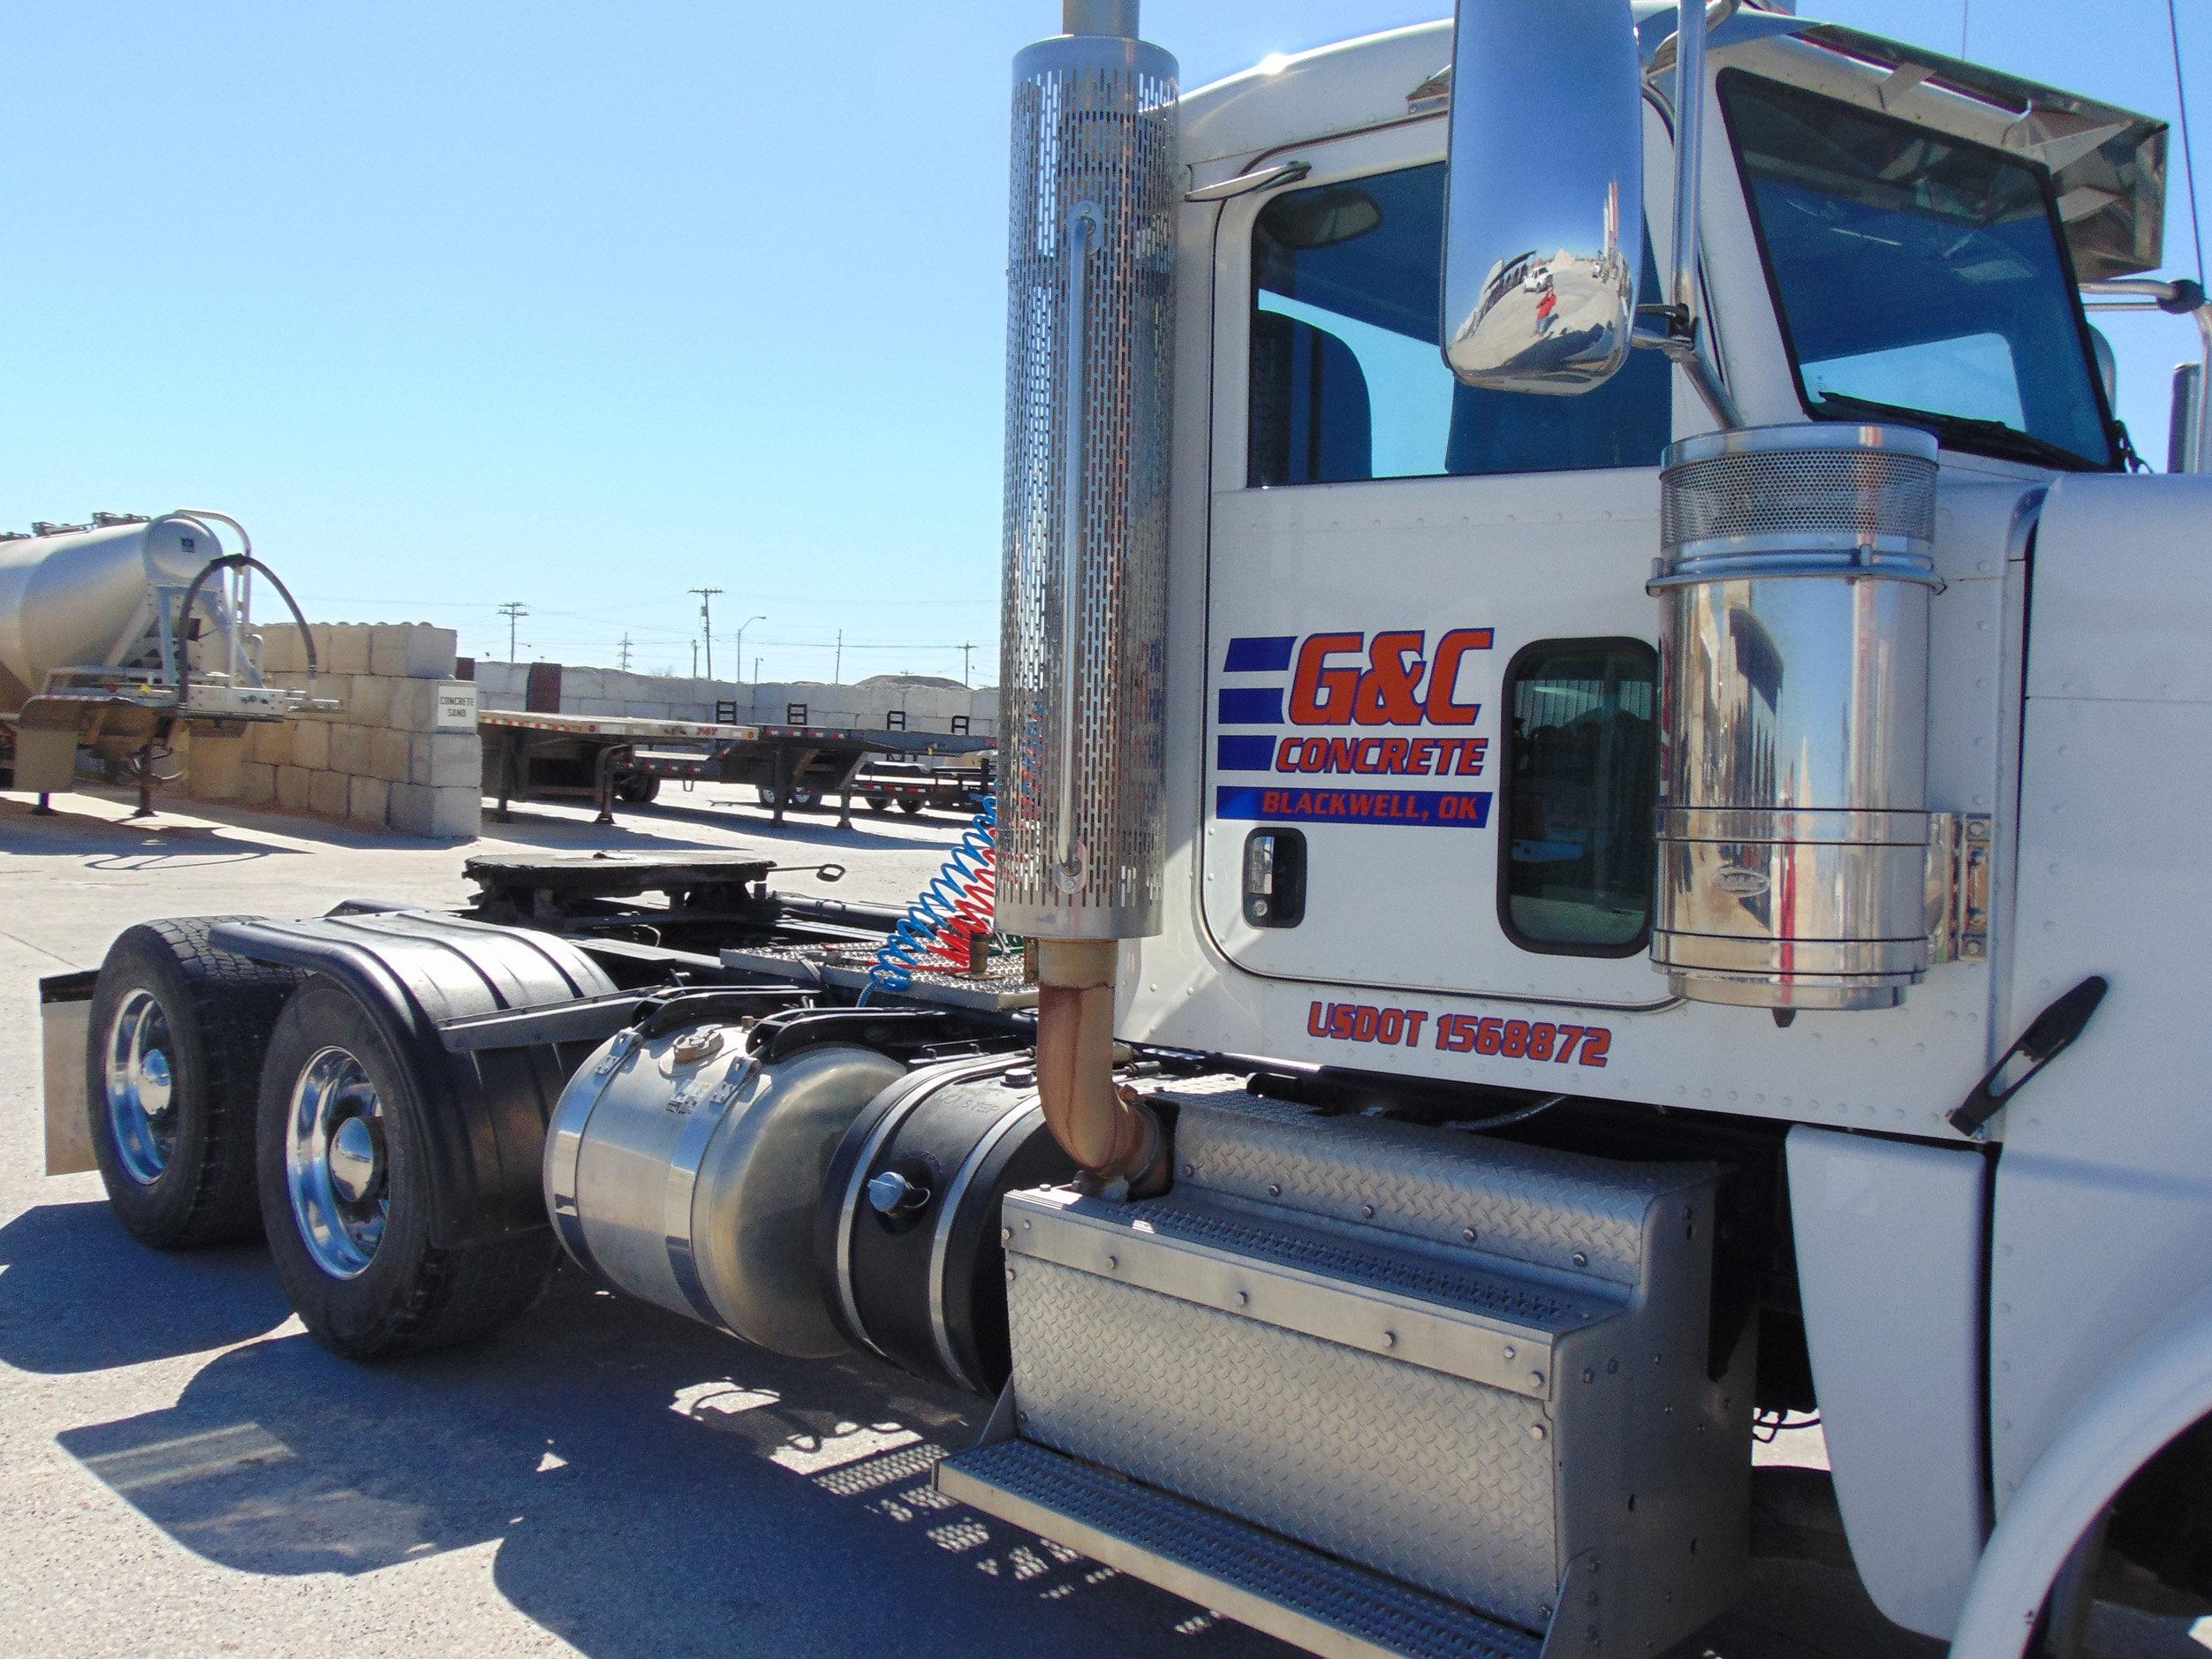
353, 1160
140, 1086
335, 1165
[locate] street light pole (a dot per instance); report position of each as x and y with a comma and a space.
742, 627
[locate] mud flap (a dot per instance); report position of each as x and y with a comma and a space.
64, 1024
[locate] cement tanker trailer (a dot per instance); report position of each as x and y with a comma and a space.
113, 631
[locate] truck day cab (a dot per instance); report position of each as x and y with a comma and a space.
1588, 703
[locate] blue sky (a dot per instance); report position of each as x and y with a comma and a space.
461, 301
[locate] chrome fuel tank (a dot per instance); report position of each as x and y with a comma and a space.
685, 1170
1796, 580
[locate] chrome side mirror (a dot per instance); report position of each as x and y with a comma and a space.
1543, 229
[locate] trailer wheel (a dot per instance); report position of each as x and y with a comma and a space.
346, 1196
879, 803
637, 788
912, 808
171, 1064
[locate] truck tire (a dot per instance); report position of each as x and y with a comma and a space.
637, 788
912, 808
879, 803
345, 1192
172, 1064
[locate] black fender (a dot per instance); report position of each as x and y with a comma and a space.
484, 1106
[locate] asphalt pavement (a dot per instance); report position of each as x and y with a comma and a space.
183, 1471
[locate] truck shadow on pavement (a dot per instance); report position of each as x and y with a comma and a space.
79, 1294
654, 1489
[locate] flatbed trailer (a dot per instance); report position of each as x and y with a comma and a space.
530, 754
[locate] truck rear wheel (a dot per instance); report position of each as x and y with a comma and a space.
346, 1196
637, 788
910, 807
171, 1065
879, 803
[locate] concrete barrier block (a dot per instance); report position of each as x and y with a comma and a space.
349, 751
291, 786
413, 706
281, 648
311, 744
270, 743
389, 755
367, 801
327, 794
257, 783
212, 766
447, 760
417, 810
432, 651
368, 699
458, 812
579, 686
348, 650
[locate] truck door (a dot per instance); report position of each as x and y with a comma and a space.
1429, 651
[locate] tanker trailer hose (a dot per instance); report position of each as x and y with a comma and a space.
180, 645
1109, 1132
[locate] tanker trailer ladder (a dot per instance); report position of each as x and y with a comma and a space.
1377, 1388
96, 625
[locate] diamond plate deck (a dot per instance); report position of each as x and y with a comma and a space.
1002, 989
1577, 1215
1322, 1604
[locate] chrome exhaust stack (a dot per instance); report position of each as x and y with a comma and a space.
1795, 581
1089, 361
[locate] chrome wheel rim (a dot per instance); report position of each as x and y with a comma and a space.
334, 1162
142, 1086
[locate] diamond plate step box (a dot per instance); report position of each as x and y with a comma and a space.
1320, 1604
1455, 1362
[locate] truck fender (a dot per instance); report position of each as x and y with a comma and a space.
2158, 1389
484, 1109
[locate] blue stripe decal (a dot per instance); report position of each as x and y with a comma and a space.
1436, 808
1244, 755
1269, 656
1259, 706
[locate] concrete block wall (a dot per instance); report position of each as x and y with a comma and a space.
612, 693
378, 761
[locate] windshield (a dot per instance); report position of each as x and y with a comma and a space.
1918, 277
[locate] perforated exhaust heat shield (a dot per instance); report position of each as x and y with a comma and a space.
1089, 351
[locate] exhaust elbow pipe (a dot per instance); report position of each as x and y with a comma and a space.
1111, 1134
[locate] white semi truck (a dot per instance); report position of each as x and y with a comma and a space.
1590, 701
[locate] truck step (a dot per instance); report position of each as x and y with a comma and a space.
1256, 1578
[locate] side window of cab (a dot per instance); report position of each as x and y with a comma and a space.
1347, 381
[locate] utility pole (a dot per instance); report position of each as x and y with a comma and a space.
837, 674
707, 622
625, 653
756, 670
514, 611
966, 651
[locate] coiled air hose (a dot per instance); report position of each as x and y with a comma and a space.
940, 926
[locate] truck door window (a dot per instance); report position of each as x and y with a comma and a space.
1347, 382
1918, 277
1581, 782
